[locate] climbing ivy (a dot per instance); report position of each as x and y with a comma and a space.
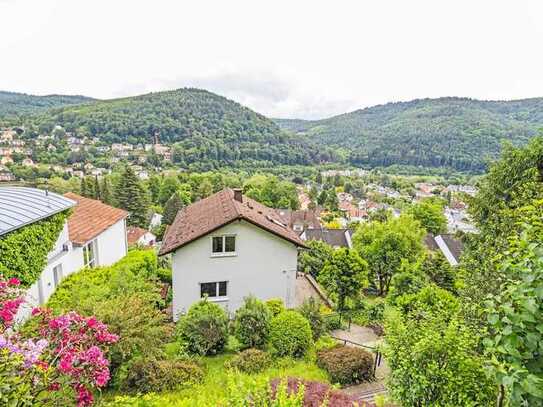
23, 252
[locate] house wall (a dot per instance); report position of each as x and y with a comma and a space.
264, 266
112, 245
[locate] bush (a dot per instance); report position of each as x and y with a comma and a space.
346, 364
290, 334
314, 393
275, 305
204, 329
252, 324
250, 361
164, 275
310, 309
375, 311
151, 375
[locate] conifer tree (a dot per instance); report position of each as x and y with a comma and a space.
87, 188
96, 189
105, 192
132, 197
173, 205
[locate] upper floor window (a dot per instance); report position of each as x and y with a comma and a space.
89, 254
223, 245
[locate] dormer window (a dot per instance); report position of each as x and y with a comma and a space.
223, 245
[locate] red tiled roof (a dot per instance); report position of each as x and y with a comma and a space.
133, 234
90, 218
217, 210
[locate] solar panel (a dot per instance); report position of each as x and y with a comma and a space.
21, 206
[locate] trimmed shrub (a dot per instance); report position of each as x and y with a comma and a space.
275, 305
204, 329
250, 361
150, 375
346, 364
252, 324
290, 334
310, 309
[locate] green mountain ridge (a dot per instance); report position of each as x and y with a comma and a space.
454, 132
204, 128
17, 104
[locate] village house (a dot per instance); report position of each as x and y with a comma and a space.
6, 175
334, 237
28, 162
300, 220
449, 246
228, 246
93, 235
137, 236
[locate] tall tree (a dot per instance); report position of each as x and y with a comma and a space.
173, 205
132, 197
344, 275
87, 187
96, 188
386, 246
429, 212
106, 194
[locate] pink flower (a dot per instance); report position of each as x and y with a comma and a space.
36, 311
84, 396
14, 281
66, 362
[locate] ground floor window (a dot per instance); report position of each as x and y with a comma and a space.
90, 254
57, 274
215, 289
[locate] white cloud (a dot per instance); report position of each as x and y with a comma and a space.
305, 58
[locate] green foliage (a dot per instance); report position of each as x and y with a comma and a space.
388, 247
434, 362
151, 375
173, 205
439, 271
290, 334
310, 309
344, 275
406, 282
312, 260
346, 364
204, 328
250, 361
16, 104
132, 197
431, 300
252, 323
429, 212
515, 317
23, 252
275, 305
446, 132
272, 192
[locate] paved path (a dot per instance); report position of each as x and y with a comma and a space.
365, 336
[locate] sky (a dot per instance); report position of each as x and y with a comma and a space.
293, 59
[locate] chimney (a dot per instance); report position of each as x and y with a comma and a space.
237, 195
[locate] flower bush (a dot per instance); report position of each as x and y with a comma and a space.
68, 354
315, 394
290, 334
252, 323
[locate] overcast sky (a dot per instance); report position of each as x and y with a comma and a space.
295, 58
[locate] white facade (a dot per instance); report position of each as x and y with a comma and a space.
262, 265
67, 258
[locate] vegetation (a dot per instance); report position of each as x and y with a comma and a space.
311, 310
290, 334
17, 104
346, 364
250, 361
429, 213
252, 323
131, 196
447, 132
204, 329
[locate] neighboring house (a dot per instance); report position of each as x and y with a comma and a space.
447, 244
137, 236
333, 237
6, 175
94, 234
97, 232
228, 246
300, 220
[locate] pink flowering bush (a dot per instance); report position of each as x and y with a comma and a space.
68, 359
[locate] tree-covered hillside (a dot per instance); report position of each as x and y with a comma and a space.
456, 132
202, 126
16, 104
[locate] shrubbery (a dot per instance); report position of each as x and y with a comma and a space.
275, 305
252, 323
250, 361
310, 309
346, 364
151, 375
204, 328
315, 394
290, 334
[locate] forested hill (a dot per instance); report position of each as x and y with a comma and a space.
16, 104
203, 126
456, 132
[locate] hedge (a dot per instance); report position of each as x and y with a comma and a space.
346, 364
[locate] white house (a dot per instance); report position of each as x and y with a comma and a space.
137, 236
228, 246
93, 235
